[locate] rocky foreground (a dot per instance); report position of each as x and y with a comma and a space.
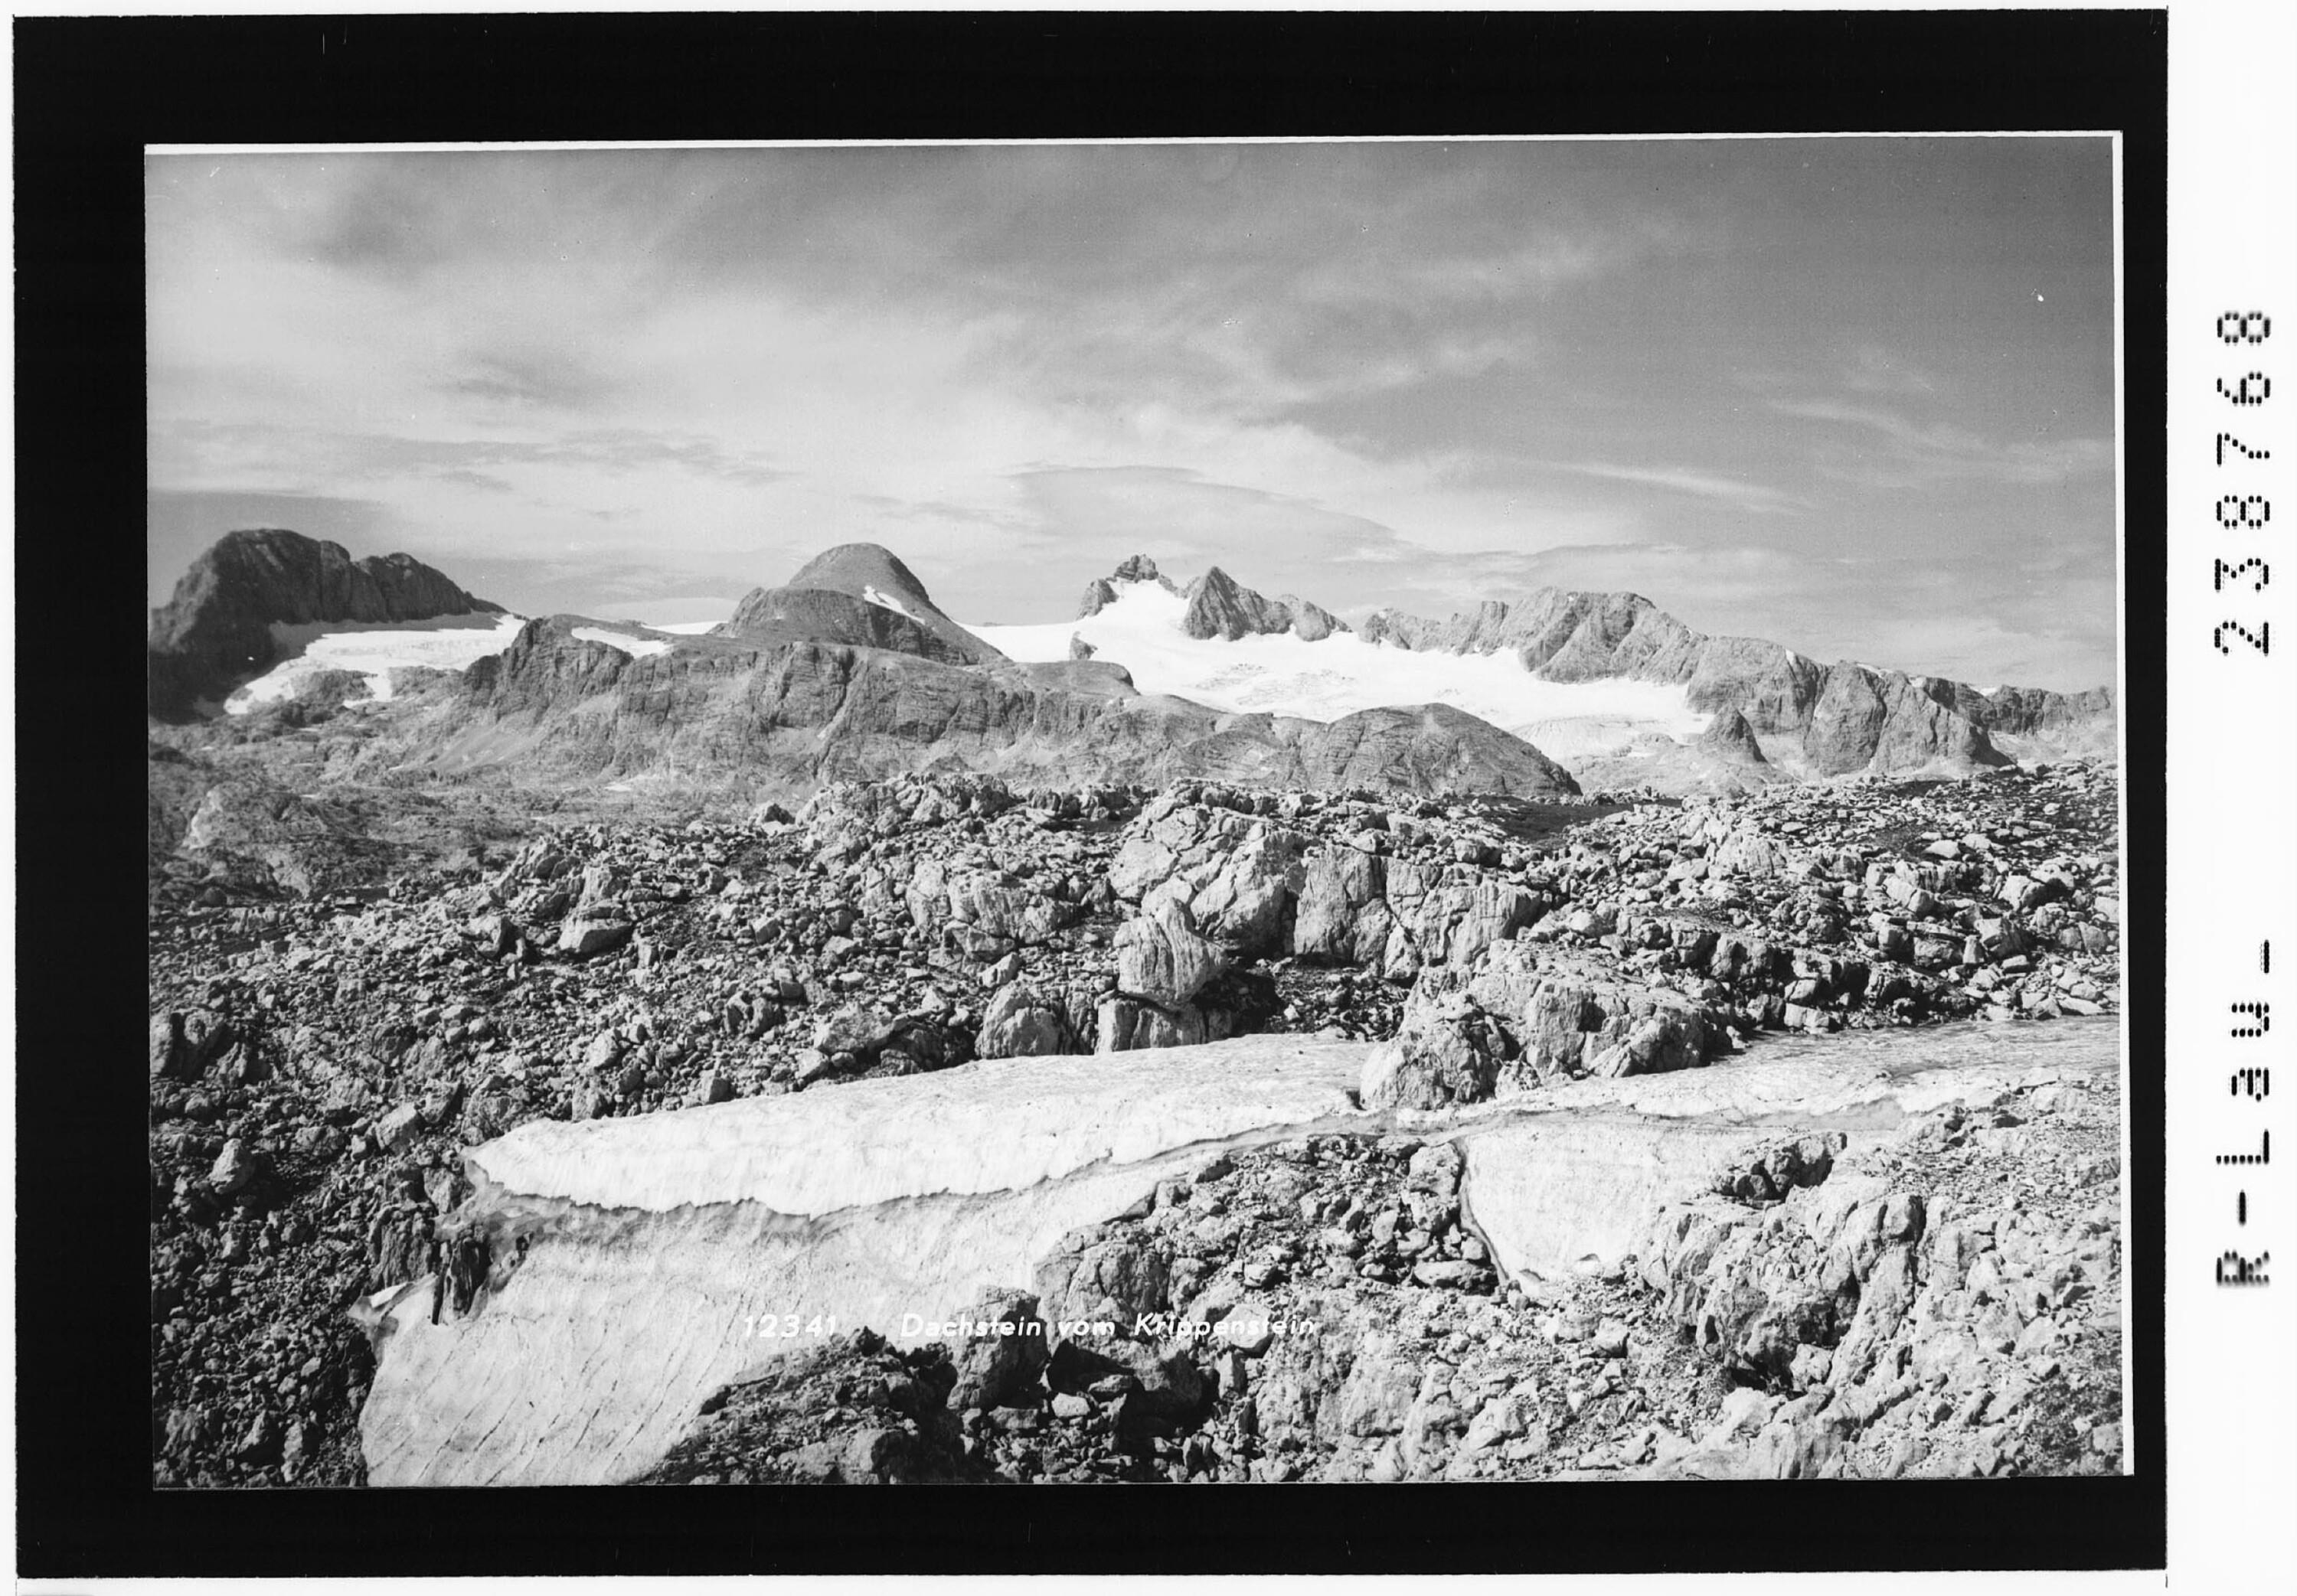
1940, 1301
1910, 1312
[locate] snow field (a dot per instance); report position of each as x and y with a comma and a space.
1343, 674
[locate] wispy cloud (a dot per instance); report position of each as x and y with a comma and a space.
1917, 454
532, 378
1874, 369
1367, 373
1735, 492
258, 450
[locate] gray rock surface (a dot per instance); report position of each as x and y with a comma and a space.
1730, 736
1160, 956
828, 601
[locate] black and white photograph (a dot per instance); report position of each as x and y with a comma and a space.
1137, 811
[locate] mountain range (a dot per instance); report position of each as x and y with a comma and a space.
850, 669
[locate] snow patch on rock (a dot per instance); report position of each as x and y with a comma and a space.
374, 649
872, 594
998, 1125
637, 648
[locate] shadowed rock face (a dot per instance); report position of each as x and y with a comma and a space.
1219, 607
1732, 738
1773, 686
830, 601
1881, 719
547, 664
215, 632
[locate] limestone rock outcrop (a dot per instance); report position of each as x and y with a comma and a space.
1519, 1017
1885, 720
1730, 737
1160, 956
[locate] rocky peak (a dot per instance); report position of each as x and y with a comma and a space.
1102, 590
861, 595
1311, 622
1220, 606
1098, 594
859, 568
216, 633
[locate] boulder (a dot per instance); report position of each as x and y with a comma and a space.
398, 1128
1523, 1014
586, 936
995, 904
860, 1029
1343, 916
236, 1168
1238, 873
1160, 956
996, 1371
1128, 1024
1105, 1271
1019, 1023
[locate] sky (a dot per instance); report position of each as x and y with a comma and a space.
1853, 395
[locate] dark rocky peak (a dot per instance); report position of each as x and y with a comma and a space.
1220, 607
860, 595
1103, 590
216, 633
